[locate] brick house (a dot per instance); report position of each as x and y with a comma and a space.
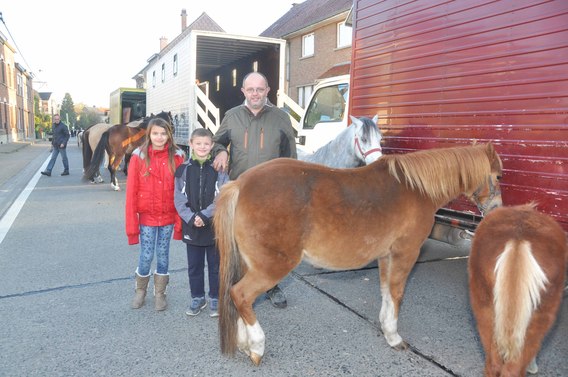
318, 43
16, 97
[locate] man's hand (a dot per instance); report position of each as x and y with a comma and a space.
62, 146
221, 161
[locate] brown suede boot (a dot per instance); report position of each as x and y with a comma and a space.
160, 285
141, 286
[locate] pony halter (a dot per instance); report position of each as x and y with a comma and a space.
370, 151
493, 192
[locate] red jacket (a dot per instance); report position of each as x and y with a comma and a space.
150, 193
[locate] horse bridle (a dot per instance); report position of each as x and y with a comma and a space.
493, 192
365, 154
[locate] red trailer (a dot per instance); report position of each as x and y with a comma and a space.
445, 73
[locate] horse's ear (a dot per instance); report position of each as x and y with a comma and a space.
490, 149
355, 121
376, 119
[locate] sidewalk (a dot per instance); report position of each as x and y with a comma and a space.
14, 157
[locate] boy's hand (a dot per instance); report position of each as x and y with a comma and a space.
198, 222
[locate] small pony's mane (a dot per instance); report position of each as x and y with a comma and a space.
441, 174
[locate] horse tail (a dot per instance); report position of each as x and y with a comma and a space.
98, 156
519, 283
87, 151
230, 268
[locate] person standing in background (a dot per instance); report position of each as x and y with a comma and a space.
58, 145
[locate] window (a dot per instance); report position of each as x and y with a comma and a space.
163, 72
308, 45
328, 105
234, 77
19, 85
217, 83
153, 79
175, 64
255, 66
344, 35
304, 93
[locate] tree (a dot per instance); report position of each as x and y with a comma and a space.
67, 111
88, 117
42, 121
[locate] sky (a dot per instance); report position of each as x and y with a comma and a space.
90, 48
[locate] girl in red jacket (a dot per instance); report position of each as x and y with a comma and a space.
151, 216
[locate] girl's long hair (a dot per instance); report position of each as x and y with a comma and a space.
170, 145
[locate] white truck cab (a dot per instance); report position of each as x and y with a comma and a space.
326, 114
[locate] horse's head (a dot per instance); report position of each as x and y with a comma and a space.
167, 116
367, 139
488, 195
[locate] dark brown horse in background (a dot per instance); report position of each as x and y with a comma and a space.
119, 141
89, 140
284, 210
517, 268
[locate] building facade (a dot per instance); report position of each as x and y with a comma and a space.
16, 97
318, 44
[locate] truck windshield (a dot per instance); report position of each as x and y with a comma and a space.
327, 105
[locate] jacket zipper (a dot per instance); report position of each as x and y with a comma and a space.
261, 138
200, 186
246, 138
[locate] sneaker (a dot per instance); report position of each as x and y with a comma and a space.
48, 173
213, 304
65, 173
197, 304
277, 297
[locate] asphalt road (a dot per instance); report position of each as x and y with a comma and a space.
67, 282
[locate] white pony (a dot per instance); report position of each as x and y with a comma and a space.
357, 145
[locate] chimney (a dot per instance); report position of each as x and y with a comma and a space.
163, 43
183, 20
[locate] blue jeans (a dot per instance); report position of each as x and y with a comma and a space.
154, 239
54, 154
196, 264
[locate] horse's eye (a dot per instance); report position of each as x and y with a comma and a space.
498, 177
364, 139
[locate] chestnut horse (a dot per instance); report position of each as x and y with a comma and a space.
517, 268
282, 210
119, 141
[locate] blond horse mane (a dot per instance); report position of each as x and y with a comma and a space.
442, 174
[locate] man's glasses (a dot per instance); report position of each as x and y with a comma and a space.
255, 90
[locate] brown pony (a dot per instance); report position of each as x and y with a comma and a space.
119, 141
284, 209
517, 268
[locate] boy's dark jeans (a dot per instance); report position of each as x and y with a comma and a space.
195, 270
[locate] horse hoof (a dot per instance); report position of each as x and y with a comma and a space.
402, 346
256, 358
532, 368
